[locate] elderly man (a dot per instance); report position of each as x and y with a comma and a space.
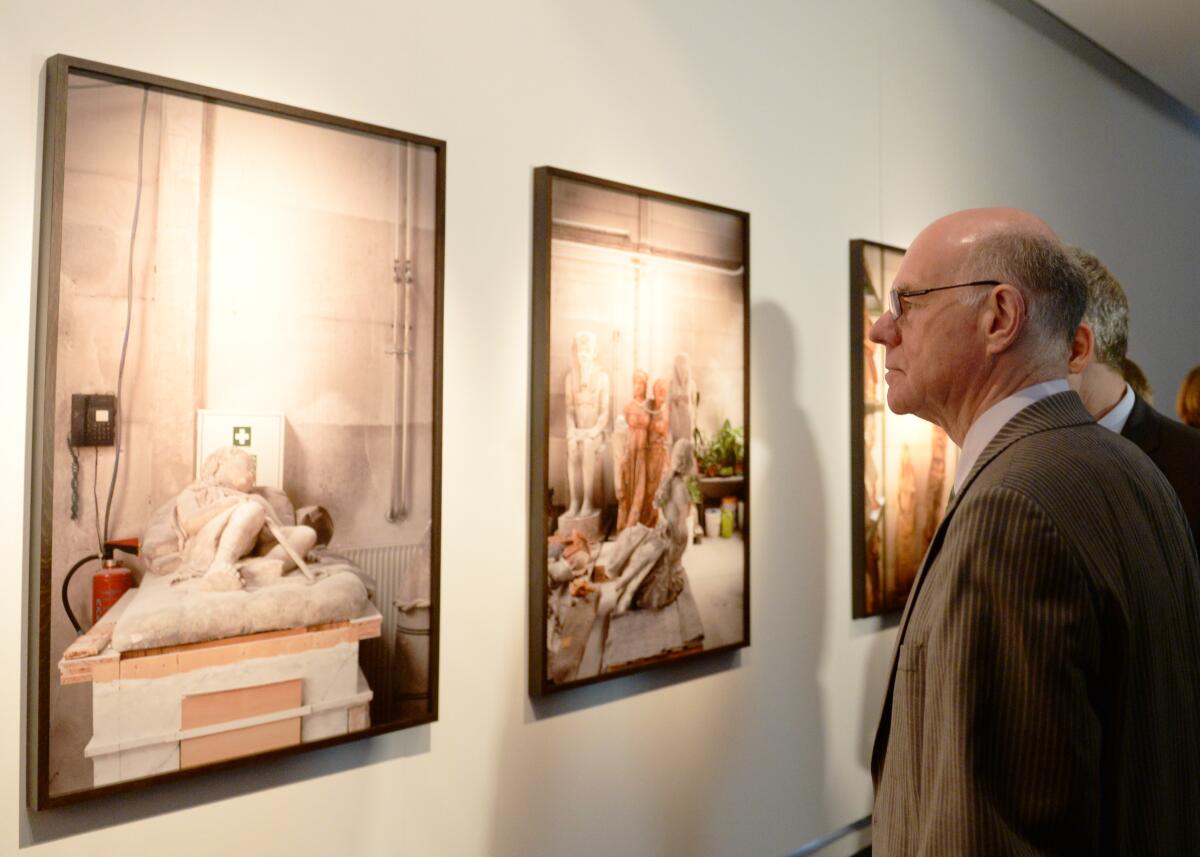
1044, 697
1097, 373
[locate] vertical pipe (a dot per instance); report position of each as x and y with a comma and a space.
401, 345
392, 348
407, 353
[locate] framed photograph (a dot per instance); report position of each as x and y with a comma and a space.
902, 468
236, 456
640, 467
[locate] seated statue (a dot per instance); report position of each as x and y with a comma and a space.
222, 524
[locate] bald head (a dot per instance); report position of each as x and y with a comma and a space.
955, 237
1016, 247
988, 304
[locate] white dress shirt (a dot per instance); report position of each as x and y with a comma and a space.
994, 418
1115, 419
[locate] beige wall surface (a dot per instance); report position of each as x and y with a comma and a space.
827, 122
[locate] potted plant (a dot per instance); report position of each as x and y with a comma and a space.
724, 455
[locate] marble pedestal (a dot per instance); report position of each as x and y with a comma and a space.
588, 525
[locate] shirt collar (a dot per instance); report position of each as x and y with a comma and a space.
1115, 419
994, 418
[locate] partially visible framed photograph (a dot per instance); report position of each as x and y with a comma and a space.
902, 468
640, 468
236, 457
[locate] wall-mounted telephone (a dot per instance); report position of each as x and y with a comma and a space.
93, 419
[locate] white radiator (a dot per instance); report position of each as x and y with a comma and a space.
392, 567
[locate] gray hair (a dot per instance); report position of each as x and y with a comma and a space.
1051, 282
1107, 310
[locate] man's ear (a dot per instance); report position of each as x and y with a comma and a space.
1082, 348
1004, 317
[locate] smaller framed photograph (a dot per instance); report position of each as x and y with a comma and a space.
902, 469
640, 467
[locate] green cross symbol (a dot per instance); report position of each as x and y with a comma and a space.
241, 435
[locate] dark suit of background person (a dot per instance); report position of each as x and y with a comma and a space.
1097, 370
1044, 695
1175, 450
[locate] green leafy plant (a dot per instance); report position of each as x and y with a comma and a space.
724, 454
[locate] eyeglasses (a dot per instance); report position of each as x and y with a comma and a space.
895, 296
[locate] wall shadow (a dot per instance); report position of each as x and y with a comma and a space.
794, 517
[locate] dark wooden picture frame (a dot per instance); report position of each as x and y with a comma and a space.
908, 462
633, 280
269, 191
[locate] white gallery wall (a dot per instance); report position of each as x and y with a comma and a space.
827, 122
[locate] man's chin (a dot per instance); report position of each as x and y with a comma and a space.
897, 403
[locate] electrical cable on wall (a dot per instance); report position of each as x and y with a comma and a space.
137, 206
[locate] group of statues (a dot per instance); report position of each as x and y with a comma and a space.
652, 460
648, 429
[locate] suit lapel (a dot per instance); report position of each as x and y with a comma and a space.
1057, 411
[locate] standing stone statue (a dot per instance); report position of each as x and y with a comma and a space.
633, 463
658, 451
685, 399
586, 387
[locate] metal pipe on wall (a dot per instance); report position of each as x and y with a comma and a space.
401, 347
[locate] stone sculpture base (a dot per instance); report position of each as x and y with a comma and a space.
642, 636
588, 525
578, 616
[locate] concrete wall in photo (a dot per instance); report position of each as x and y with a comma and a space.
644, 310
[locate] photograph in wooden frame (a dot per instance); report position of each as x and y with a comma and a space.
902, 466
237, 442
640, 469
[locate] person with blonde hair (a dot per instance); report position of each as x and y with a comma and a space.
1188, 403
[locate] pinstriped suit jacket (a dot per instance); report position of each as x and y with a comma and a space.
1044, 696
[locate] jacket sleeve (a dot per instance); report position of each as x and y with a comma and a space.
1010, 732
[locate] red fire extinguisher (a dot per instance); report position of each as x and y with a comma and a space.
108, 585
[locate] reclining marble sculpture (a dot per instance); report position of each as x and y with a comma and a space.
222, 525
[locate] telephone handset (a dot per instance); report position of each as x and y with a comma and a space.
93, 419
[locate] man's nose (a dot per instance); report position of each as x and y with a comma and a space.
884, 329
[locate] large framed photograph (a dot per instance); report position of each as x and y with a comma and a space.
902, 467
235, 498
640, 468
